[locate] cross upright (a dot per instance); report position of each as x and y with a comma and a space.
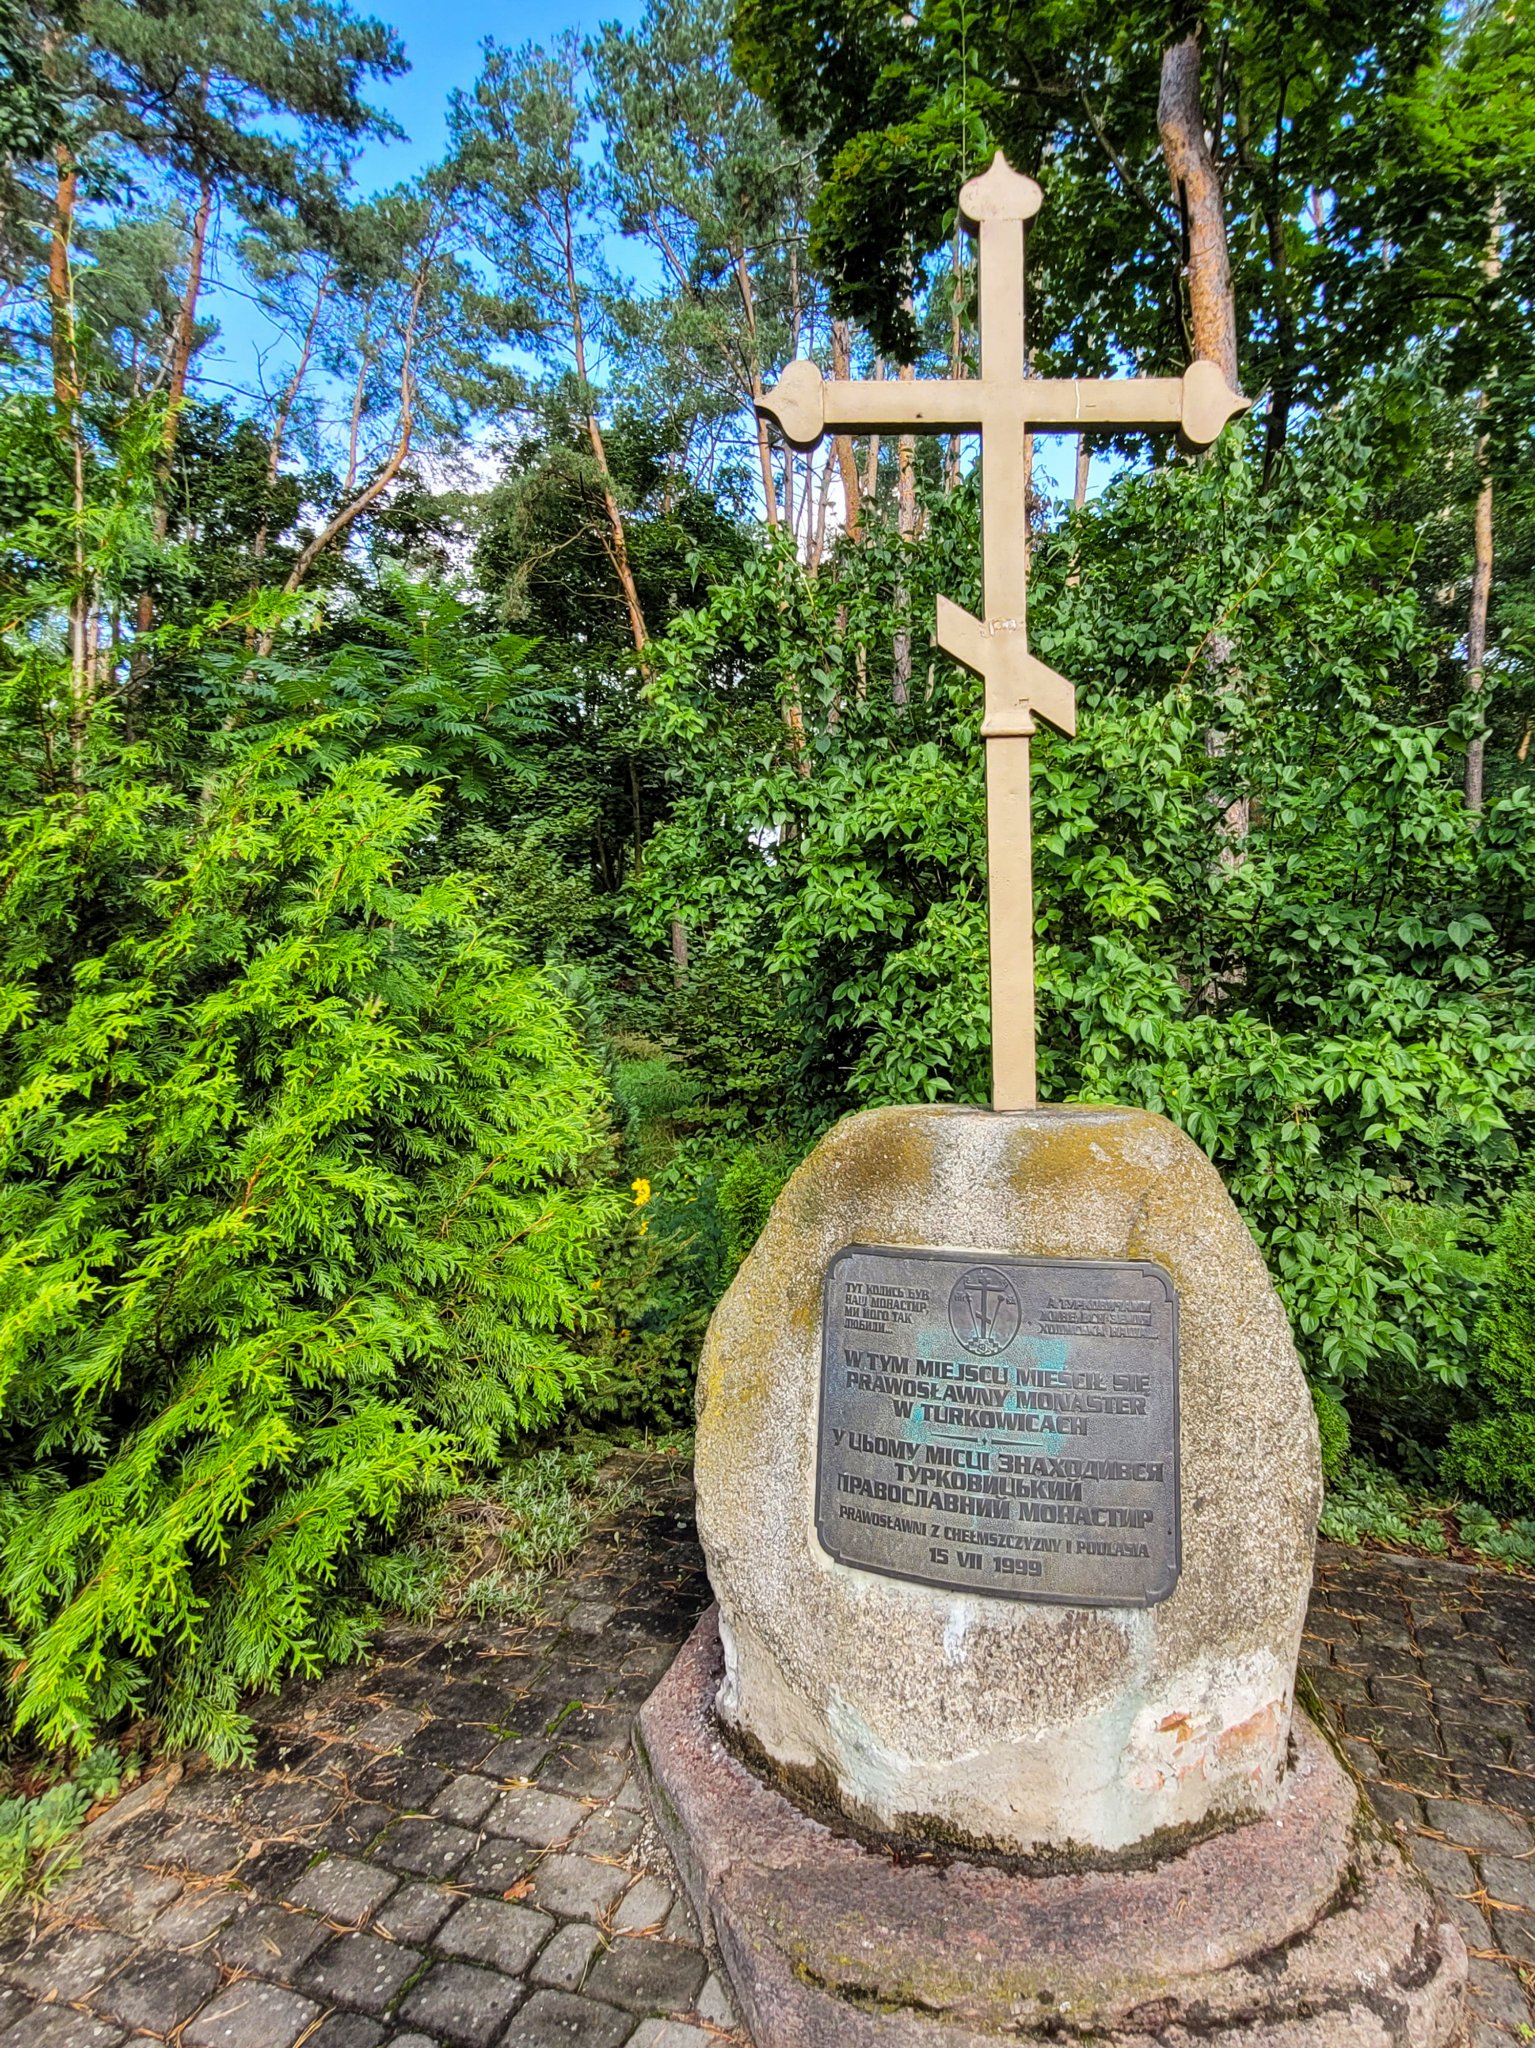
1002, 404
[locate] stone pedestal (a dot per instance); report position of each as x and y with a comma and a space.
922, 1797
1302, 1930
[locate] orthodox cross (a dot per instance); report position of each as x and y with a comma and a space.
1002, 405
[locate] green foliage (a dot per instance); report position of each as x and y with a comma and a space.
748, 1188
1333, 1427
1263, 909
296, 1209
38, 1827
1495, 1457
1365, 1503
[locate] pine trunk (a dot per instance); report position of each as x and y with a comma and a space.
1197, 189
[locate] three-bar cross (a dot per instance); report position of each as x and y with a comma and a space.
1002, 404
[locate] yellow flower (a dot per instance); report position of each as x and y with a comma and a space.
641, 1192
644, 1225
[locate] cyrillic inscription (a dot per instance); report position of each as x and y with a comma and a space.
1001, 1426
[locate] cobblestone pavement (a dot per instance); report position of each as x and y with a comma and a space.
1428, 1672
446, 1846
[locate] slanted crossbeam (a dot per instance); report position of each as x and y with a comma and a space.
1002, 405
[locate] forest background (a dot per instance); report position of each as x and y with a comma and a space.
476, 807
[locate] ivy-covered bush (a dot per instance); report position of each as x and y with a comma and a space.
297, 1212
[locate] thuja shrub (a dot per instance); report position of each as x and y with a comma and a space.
298, 1210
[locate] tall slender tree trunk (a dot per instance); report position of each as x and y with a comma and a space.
871, 457
184, 333
847, 461
178, 371
1481, 571
1476, 631
618, 538
754, 370
1197, 189
393, 463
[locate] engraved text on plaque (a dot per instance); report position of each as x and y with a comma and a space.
1002, 1426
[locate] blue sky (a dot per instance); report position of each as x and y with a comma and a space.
443, 42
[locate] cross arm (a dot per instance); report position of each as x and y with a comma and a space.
806, 406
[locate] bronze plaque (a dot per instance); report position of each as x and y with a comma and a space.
1001, 1426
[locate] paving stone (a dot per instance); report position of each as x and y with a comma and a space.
197, 1847
577, 1887
565, 1961
415, 1912
467, 1800
496, 1867
458, 1745
157, 1991
468, 1699
648, 1976
273, 1871
1470, 1918
556, 2019
389, 1730
1395, 1804
1496, 1993
1513, 1934
128, 1901
431, 1848
252, 2015
457, 2003
670, 2034
403, 1783
542, 1818
13, 2005
1478, 1827
343, 1890
682, 1923
50, 2026
584, 1773
646, 1904
1511, 1879
610, 1832
1447, 1870
283, 1807
196, 1917
69, 1964
518, 1757
715, 2006
270, 1942
491, 1931
353, 1826
360, 1970
353, 2030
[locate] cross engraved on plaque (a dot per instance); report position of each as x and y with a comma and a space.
1001, 1426
1002, 404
